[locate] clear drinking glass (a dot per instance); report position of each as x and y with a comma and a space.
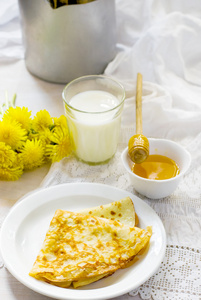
93, 106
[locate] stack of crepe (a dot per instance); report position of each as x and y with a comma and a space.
83, 247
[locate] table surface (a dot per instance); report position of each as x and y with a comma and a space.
162, 42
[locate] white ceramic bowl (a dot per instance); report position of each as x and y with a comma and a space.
156, 189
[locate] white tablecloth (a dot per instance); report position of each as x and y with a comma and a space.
160, 39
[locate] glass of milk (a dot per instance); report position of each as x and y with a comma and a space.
93, 106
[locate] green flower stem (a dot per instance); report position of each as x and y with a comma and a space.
7, 104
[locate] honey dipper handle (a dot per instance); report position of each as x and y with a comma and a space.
139, 104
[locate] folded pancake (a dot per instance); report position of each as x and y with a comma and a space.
122, 211
81, 247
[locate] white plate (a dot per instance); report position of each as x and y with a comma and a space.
24, 230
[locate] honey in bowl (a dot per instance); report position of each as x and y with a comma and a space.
156, 167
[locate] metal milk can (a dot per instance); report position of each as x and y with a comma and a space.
70, 41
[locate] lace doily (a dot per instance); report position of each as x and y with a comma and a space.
177, 278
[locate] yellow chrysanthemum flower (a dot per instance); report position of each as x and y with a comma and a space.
45, 136
61, 145
61, 121
42, 120
12, 173
12, 134
21, 115
32, 135
7, 155
32, 154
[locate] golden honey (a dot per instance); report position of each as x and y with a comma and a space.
157, 167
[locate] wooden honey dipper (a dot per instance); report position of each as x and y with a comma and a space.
138, 145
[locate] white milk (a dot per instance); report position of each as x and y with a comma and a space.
95, 130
